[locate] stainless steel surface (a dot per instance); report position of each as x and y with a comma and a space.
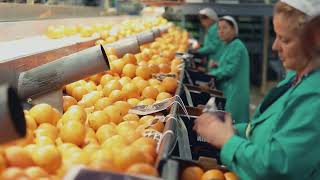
54, 75
22, 12
124, 46
12, 122
54, 98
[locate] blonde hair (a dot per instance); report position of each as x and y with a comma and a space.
295, 17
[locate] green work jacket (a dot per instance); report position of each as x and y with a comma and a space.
282, 141
212, 43
232, 75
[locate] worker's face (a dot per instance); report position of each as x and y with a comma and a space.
226, 31
288, 45
205, 21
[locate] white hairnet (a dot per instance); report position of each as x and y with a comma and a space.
210, 13
309, 7
233, 21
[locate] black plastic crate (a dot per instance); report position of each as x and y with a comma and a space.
197, 78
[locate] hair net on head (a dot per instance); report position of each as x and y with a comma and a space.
210, 13
233, 21
309, 7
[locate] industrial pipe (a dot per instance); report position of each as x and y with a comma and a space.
54, 75
12, 121
124, 46
145, 37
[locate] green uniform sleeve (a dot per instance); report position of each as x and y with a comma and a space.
228, 66
241, 129
290, 151
211, 42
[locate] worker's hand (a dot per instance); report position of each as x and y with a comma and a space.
213, 64
214, 130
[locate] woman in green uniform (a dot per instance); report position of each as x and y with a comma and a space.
212, 44
282, 141
232, 71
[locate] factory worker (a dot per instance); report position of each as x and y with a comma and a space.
212, 44
232, 71
281, 142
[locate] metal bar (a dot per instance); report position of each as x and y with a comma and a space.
226, 9
21, 12
264, 71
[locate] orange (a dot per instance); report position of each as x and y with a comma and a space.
115, 143
71, 86
163, 95
141, 84
3, 163
112, 57
192, 173
13, 173
131, 117
131, 136
127, 157
105, 79
67, 102
146, 119
30, 122
154, 68
43, 140
154, 82
56, 116
114, 114
97, 119
170, 84
77, 157
48, 130
164, 68
150, 92
129, 59
110, 86
78, 92
136, 79
103, 165
131, 90
42, 113
159, 88
144, 72
143, 63
127, 126
117, 95
90, 99
147, 101
74, 113
47, 157
142, 168
73, 132
90, 86
102, 103
18, 156
146, 54
104, 132
213, 174
123, 106
96, 78
35, 172
159, 126
124, 80
230, 176
116, 66
133, 101
129, 70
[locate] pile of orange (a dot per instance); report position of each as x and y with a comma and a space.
96, 129
196, 173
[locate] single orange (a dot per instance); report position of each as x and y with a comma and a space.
133, 101
35, 172
163, 95
129, 59
104, 132
117, 95
170, 84
105, 79
97, 119
74, 113
102, 103
192, 173
42, 113
47, 157
129, 70
230, 176
213, 174
164, 68
68, 101
73, 132
78, 92
18, 156
144, 72
150, 92
131, 117
142, 168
